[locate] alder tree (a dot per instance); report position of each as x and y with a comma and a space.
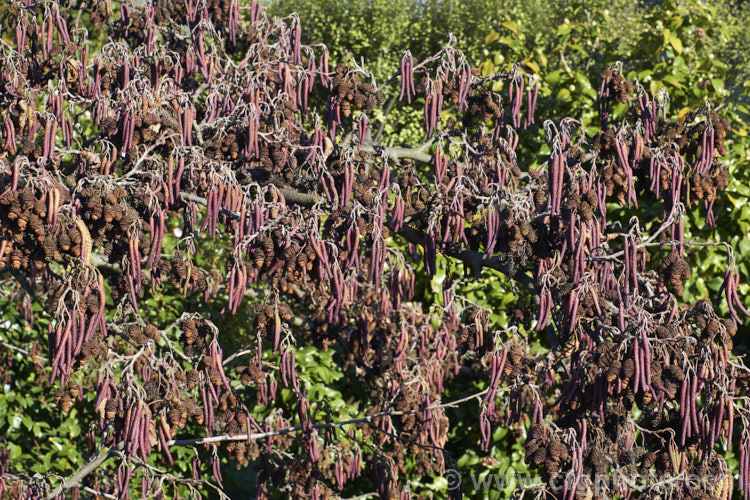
126, 123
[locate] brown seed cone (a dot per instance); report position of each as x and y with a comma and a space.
648, 460
532, 446
628, 368
613, 371
192, 378
536, 431
539, 456
66, 403
558, 450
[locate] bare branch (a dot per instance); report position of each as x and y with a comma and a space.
77, 478
290, 430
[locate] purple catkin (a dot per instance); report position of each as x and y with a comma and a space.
686, 432
485, 431
297, 41
463, 87
48, 136
634, 264
647, 359
710, 219
398, 214
21, 38
552, 184
718, 421
362, 129
706, 158
644, 112
324, 68
654, 114
627, 265
311, 72
255, 11
383, 184
438, 102
743, 467
734, 281
120, 481
190, 62
693, 396
545, 305
215, 466
285, 367
512, 91
730, 418
404, 80
562, 163
725, 289
43, 33
637, 150
67, 131
637, 375
10, 135
518, 101
654, 168
430, 109
440, 164
580, 262
410, 73
429, 252
572, 312
512, 101
498, 363
32, 130
531, 104
492, 228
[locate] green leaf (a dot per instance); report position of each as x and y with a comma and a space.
700, 284
533, 66
582, 80
487, 68
718, 85
494, 35
563, 95
676, 43
542, 58
554, 77
510, 25
672, 81
500, 432
745, 246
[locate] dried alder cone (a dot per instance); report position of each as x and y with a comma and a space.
203, 114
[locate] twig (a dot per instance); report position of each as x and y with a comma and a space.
289, 430
75, 479
400, 153
23, 351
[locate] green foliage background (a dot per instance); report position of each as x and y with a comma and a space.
694, 49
